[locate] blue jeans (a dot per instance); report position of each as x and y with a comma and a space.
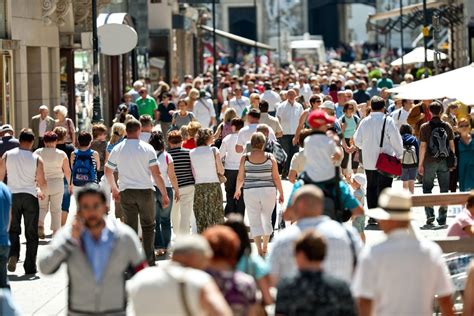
66, 203
4, 251
432, 170
163, 221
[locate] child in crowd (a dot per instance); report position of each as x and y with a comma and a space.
147, 127
358, 182
409, 158
99, 144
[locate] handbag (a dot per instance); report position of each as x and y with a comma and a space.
387, 165
222, 178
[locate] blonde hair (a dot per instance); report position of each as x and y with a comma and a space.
254, 96
229, 114
258, 140
184, 132
194, 94
61, 132
117, 132
193, 128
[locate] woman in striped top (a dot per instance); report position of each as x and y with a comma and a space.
258, 174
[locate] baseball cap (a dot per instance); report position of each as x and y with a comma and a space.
6, 128
318, 118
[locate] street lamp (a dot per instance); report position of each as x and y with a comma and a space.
214, 50
256, 37
426, 33
401, 35
96, 110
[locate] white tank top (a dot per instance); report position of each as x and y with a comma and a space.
53, 160
21, 171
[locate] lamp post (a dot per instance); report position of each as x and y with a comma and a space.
256, 36
96, 110
279, 33
426, 33
214, 50
401, 37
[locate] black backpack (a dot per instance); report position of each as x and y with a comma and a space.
438, 142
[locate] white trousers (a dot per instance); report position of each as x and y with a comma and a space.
182, 211
259, 203
52, 203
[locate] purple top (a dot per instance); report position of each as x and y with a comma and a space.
238, 288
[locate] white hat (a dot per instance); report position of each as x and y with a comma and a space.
360, 178
394, 204
328, 105
6, 128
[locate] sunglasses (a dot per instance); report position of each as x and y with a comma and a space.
141, 92
350, 108
317, 101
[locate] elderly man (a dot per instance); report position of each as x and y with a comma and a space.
385, 282
146, 104
41, 124
164, 285
343, 243
134, 92
8, 140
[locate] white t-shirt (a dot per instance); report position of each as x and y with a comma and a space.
204, 111
245, 134
145, 136
289, 116
164, 159
227, 151
158, 287
272, 98
203, 163
239, 105
41, 127
133, 159
318, 150
21, 169
400, 117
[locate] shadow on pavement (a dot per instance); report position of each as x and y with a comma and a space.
26, 277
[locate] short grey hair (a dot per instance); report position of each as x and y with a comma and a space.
43, 107
137, 84
61, 109
187, 245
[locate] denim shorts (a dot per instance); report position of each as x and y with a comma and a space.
66, 203
409, 174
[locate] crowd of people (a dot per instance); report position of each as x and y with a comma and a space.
180, 169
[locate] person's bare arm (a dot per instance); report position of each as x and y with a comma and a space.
109, 174
220, 167
422, 153
292, 175
97, 160
277, 181
452, 146
213, 302
3, 169
446, 305
240, 179
301, 120
364, 306
67, 173
156, 174
264, 284
73, 157
217, 134
40, 178
173, 180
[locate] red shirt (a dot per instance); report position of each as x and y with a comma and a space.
189, 144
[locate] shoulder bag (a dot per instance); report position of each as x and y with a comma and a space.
222, 178
389, 166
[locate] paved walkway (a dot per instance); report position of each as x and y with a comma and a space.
47, 295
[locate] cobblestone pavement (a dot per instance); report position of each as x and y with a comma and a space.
47, 295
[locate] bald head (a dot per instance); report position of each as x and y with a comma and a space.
308, 201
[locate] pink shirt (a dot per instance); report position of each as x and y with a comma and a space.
463, 220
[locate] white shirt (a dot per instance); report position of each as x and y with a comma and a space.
159, 286
203, 162
272, 98
319, 149
239, 105
21, 169
401, 275
367, 138
227, 151
339, 257
306, 91
245, 134
133, 159
145, 136
42, 127
204, 111
289, 116
53, 161
400, 117
164, 159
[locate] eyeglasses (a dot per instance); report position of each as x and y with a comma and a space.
350, 109
141, 92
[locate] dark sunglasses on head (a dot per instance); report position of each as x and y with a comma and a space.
141, 92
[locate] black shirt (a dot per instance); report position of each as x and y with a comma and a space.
67, 148
165, 115
314, 293
7, 143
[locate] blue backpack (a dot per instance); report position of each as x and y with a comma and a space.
83, 168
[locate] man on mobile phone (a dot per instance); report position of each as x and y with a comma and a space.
98, 253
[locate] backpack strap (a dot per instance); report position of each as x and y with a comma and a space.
352, 245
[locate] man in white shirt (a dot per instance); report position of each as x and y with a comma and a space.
343, 243
231, 167
239, 102
136, 163
289, 113
271, 97
179, 287
204, 111
245, 134
41, 124
400, 115
367, 138
305, 89
401, 275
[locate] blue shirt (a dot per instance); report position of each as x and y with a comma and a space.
254, 266
5, 206
98, 251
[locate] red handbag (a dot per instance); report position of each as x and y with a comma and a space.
389, 166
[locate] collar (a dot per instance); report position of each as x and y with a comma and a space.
377, 114
109, 231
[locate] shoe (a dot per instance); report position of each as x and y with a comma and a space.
271, 236
12, 263
31, 272
41, 234
427, 226
372, 222
430, 220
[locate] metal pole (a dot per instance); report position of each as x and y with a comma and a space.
401, 37
426, 33
96, 110
256, 36
279, 33
214, 48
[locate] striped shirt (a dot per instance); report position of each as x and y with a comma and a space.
258, 175
182, 166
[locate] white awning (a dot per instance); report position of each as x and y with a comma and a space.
417, 56
406, 10
238, 38
456, 84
